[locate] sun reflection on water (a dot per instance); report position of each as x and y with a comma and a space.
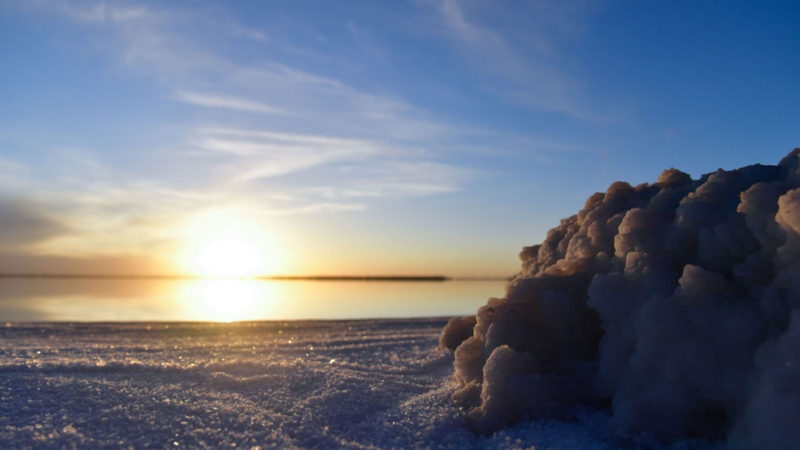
227, 300
235, 299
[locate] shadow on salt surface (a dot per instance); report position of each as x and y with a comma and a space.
308, 384
592, 429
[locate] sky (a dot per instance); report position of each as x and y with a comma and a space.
363, 137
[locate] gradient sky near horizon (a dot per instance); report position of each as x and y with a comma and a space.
365, 137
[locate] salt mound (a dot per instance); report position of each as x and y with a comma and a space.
457, 330
677, 303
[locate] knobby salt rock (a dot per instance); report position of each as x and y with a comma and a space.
677, 303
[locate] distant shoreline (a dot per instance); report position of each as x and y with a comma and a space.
412, 278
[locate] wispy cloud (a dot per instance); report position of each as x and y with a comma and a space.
225, 102
262, 154
526, 68
201, 72
316, 208
91, 12
398, 178
349, 168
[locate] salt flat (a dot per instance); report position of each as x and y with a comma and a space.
357, 384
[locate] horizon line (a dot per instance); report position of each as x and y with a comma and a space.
98, 276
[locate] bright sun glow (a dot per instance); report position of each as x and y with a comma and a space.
228, 256
226, 246
229, 300
224, 300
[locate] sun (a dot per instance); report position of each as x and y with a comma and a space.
226, 246
229, 256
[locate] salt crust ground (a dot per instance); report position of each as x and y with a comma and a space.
323, 384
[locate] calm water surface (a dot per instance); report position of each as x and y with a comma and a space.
24, 300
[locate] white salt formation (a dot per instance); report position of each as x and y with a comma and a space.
676, 304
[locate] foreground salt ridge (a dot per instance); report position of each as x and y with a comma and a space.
309, 384
676, 303
352, 384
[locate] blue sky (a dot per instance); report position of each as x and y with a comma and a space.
366, 137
